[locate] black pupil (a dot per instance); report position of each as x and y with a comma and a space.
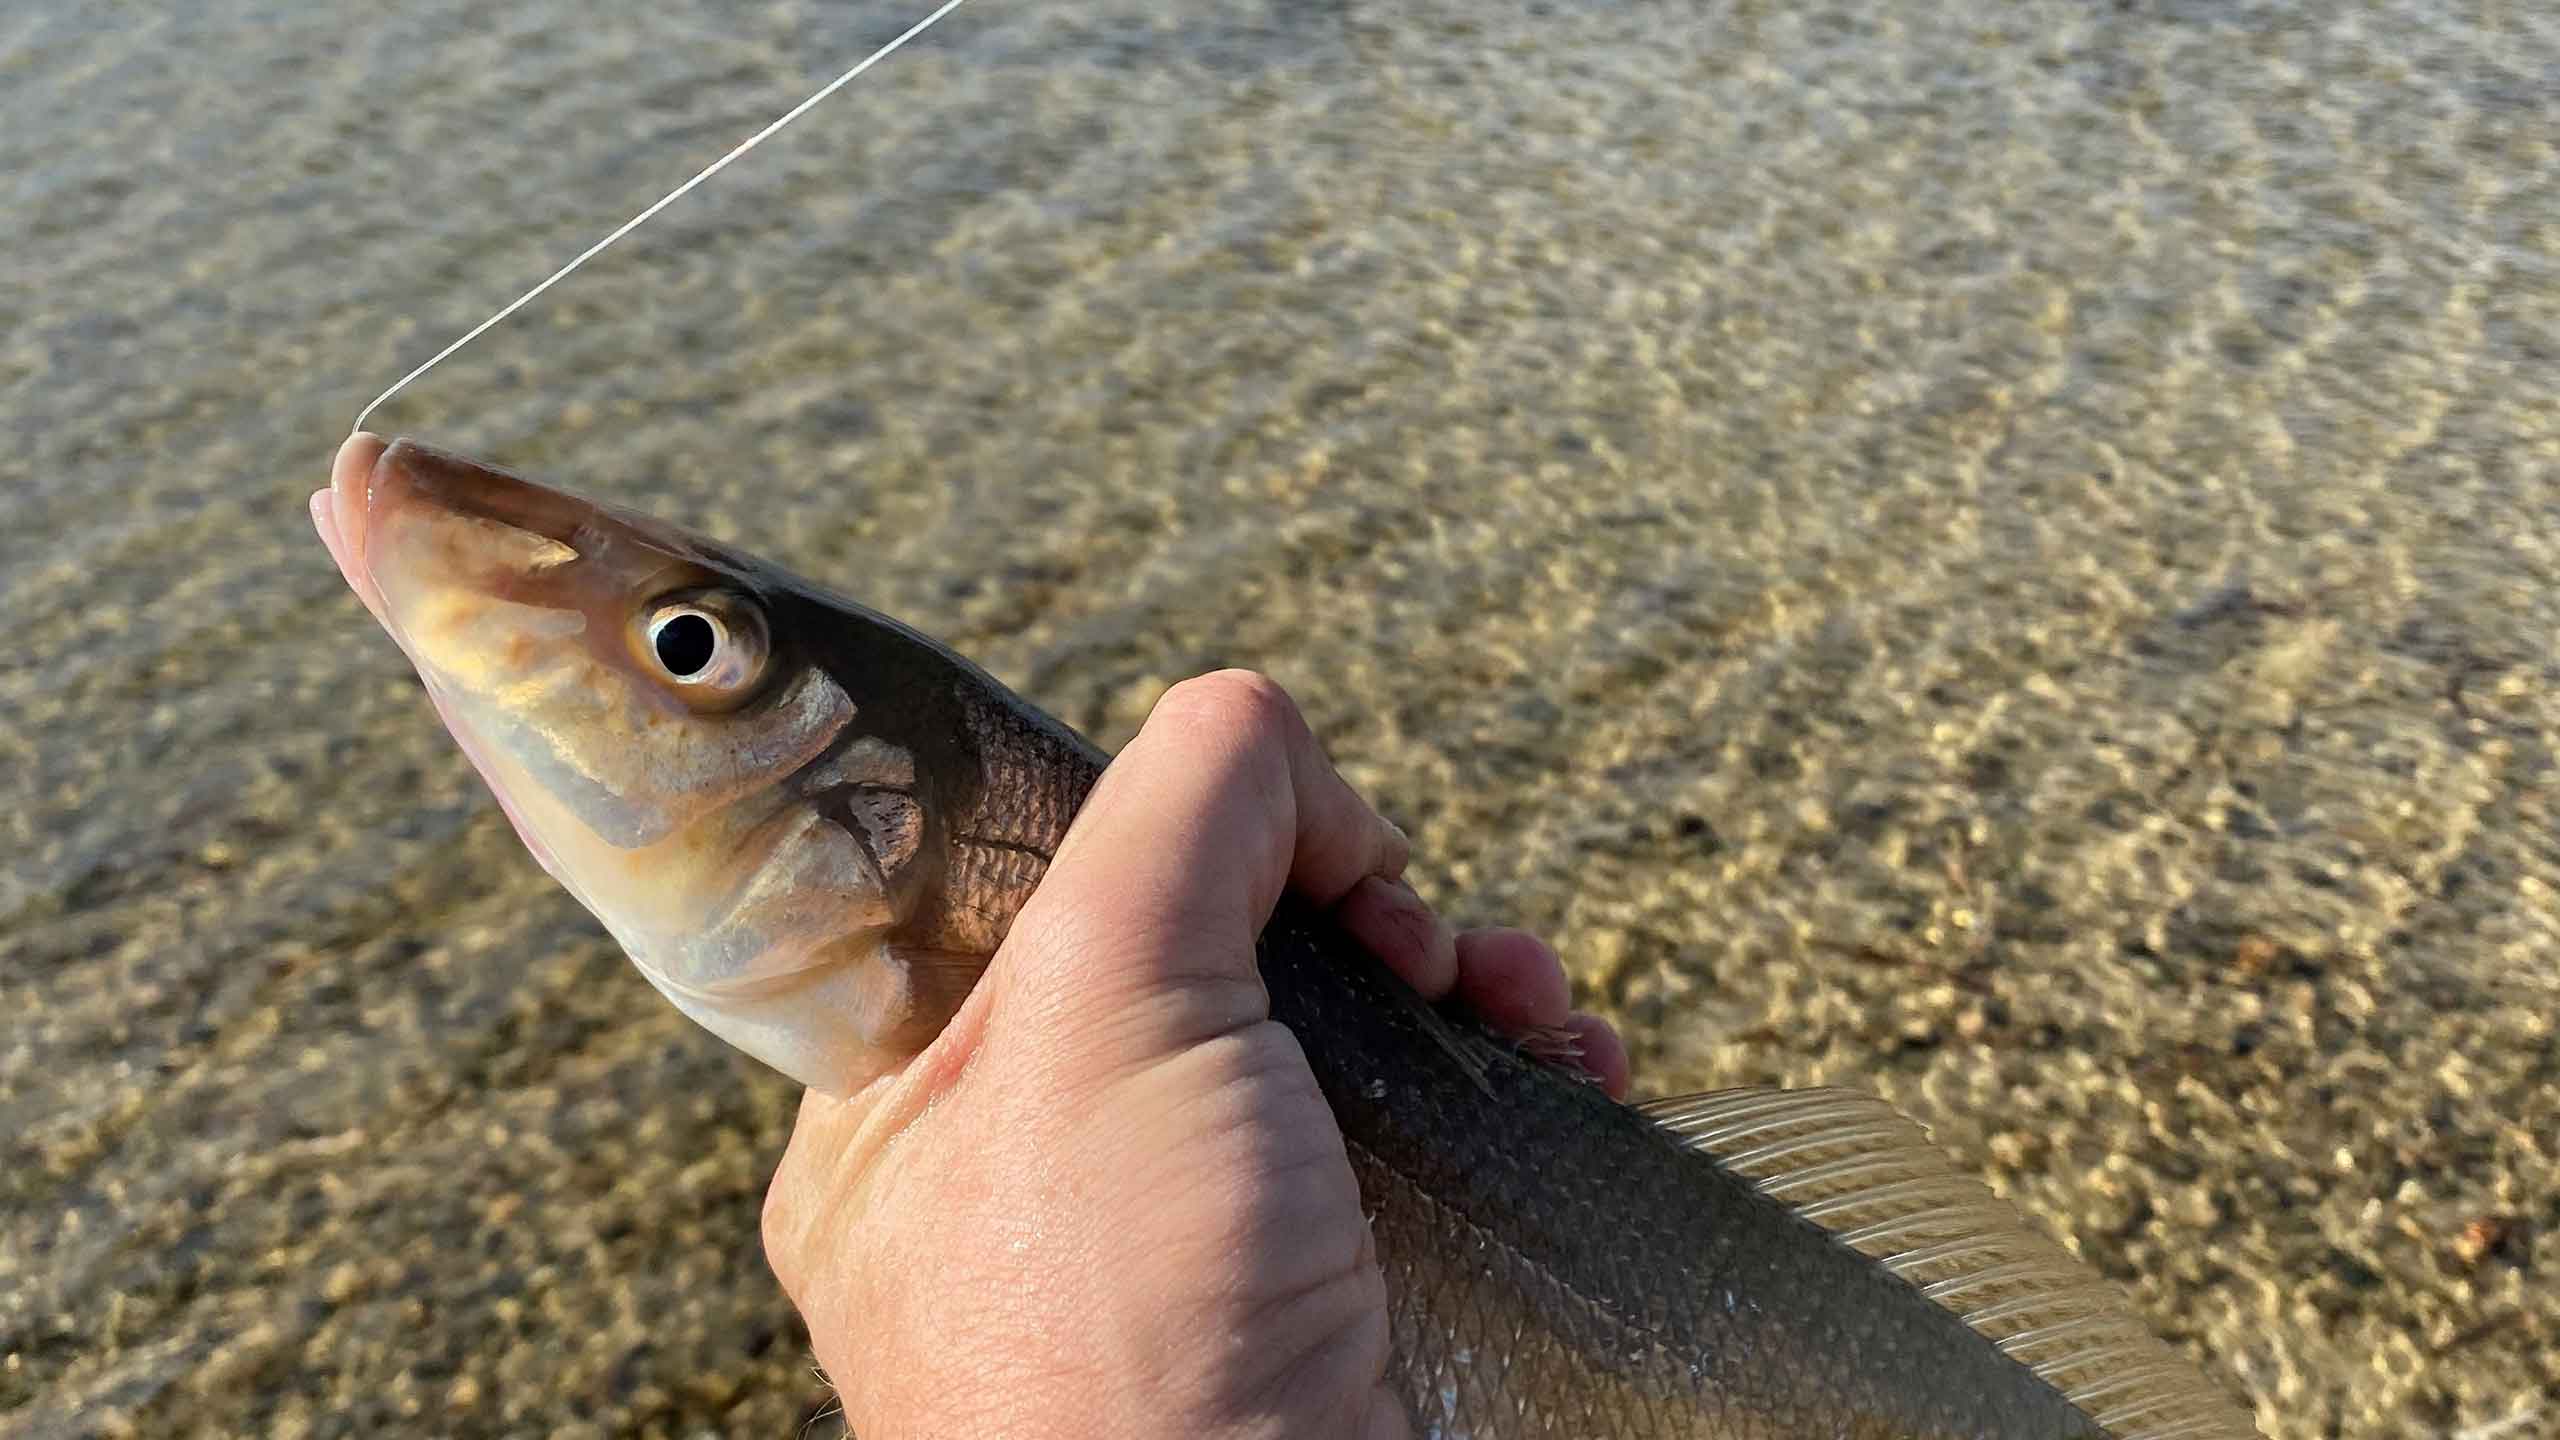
685, 644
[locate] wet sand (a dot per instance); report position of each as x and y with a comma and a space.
2008, 557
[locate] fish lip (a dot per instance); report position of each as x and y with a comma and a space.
350, 487
342, 515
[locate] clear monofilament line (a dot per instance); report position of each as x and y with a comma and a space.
671, 197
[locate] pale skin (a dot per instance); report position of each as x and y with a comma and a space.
1109, 1200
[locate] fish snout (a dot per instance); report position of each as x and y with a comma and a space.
377, 487
373, 478
340, 512
373, 484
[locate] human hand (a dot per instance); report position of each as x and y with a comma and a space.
1109, 1199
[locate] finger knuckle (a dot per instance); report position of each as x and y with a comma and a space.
1245, 704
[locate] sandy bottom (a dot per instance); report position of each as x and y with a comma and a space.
2009, 558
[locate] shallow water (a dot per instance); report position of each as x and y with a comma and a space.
2005, 556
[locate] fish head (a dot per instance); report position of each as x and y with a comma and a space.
665, 747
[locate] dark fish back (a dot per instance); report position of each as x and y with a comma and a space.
1560, 1266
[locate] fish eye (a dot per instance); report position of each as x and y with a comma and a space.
708, 645
687, 641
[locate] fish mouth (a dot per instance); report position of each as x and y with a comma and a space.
370, 480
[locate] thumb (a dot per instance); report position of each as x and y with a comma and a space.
1143, 929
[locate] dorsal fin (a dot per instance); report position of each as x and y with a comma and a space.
1857, 1167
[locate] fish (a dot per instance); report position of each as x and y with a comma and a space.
810, 825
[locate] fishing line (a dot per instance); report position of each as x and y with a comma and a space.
671, 197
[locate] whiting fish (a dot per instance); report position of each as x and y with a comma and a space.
810, 826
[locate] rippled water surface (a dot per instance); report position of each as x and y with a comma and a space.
2004, 555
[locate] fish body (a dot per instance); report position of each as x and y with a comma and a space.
1561, 1265
810, 825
